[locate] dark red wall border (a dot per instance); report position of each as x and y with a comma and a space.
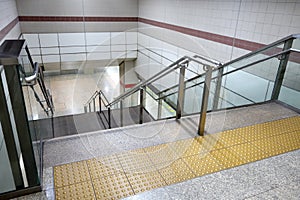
8, 28
243, 44
75, 19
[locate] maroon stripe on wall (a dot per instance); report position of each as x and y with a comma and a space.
76, 19
243, 44
8, 28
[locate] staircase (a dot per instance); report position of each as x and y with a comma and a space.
240, 82
239, 122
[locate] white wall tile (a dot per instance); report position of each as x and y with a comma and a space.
98, 38
32, 40
49, 40
71, 39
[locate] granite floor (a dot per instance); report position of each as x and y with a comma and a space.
273, 178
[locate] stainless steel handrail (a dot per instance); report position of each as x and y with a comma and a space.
157, 76
208, 60
237, 69
34, 76
183, 62
107, 102
37, 77
293, 36
91, 98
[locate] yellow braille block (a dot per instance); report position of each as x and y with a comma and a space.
161, 154
232, 137
227, 158
133, 160
289, 141
270, 145
175, 172
141, 182
71, 173
202, 164
248, 152
156, 166
188, 147
115, 186
83, 190
105, 166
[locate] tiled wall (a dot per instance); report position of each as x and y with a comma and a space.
222, 30
59, 9
9, 27
262, 21
56, 50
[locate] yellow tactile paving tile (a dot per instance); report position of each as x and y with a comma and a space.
232, 137
175, 172
134, 160
227, 158
202, 164
132, 172
212, 142
161, 154
271, 146
115, 186
83, 190
71, 173
248, 152
184, 148
105, 166
252, 133
142, 182
291, 141
197, 145
269, 129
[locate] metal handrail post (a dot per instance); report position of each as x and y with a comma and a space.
205, 96
181, 89
109, 117
90, 110
85, 109
94, 104
141, 105
281, 70
121, 112
100, 108
218, 89
159, 107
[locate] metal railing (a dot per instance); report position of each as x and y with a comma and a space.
91, 106
213, 71
38, 78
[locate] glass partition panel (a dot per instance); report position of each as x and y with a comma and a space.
151, 103
193, 99
290, 89
261, 55
296, 43
253, 84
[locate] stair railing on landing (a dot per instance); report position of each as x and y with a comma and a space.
181, 64
91, 105
273, 50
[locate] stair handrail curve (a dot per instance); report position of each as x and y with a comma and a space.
175, 65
